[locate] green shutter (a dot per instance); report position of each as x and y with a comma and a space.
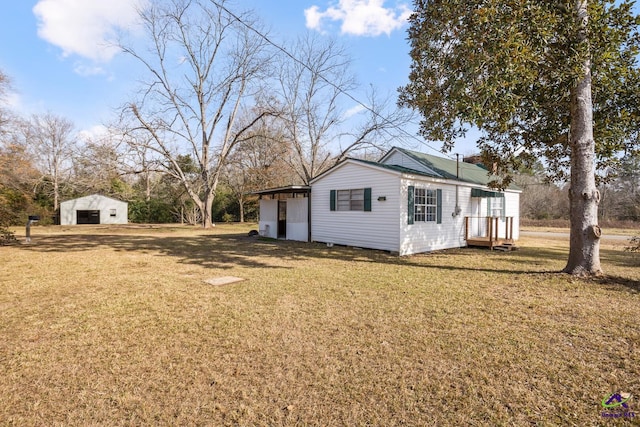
367, 199
410, 205
488, 206
332, 200
438, 206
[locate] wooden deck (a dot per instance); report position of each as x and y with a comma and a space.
489, 243
492, 238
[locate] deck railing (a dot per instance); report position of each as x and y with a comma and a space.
488, 230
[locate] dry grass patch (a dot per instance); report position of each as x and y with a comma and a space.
115, 326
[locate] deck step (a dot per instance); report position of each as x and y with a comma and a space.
505, 247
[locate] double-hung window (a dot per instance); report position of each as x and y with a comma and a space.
496, 207
425, 205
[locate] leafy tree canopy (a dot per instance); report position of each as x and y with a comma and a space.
508, 68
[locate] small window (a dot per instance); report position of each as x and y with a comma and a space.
112, 212
350, 200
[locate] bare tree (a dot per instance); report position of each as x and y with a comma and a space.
541, 199
17, 178
51, 141
259, 161
5, 85
98, 166
314, 85
138, 160
620, 198
203, 64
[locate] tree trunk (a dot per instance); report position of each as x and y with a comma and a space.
209, 196
147, 185
56, 196
584, 246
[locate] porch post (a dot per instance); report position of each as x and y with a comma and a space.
466, 228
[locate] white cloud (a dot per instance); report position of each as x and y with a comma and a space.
85, 28
360, 17
354, 111
88, 70
94, 133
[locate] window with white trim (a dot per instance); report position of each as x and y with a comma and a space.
424, 205
496, 206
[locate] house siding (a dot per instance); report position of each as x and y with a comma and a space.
429, 236
298, 219
376, 229
512, 208
268, 224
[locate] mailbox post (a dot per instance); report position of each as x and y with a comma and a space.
32, 219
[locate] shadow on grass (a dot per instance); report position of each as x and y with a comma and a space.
232, 250
224, 251
615, 282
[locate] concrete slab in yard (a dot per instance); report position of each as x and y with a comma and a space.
221, 281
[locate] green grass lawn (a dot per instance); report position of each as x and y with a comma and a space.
116, 326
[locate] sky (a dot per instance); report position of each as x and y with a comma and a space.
59, 56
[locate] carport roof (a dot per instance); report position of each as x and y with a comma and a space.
290, 189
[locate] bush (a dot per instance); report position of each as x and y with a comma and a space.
227, 217
7, 237
152, 212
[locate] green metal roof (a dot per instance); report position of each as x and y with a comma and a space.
448, 168
395, 168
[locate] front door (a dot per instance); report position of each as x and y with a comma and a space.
282, 219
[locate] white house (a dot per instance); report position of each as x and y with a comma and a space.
93, 209
408, 203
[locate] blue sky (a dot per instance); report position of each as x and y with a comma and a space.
56, 51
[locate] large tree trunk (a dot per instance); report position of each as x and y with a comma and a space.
209, 196
584, 246
241, 206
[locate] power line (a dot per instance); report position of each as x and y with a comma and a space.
339, 89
